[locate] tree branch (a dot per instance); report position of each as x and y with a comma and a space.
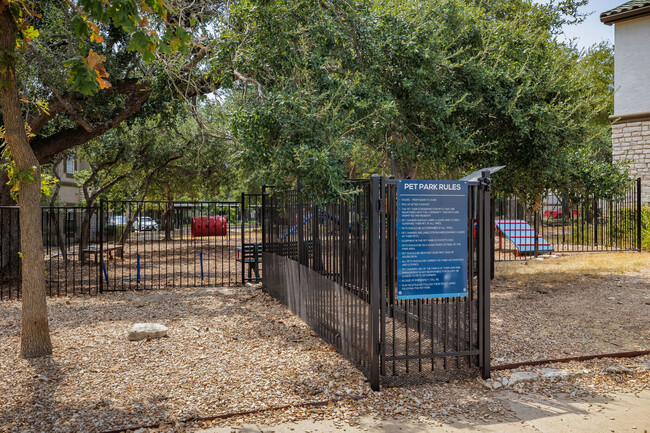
45, 148
56, 105
246, 79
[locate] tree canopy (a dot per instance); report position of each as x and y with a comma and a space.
442, 88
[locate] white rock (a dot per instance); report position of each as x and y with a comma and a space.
521, 376
141, 331
490, 383
617, 369
558, 374
646, 365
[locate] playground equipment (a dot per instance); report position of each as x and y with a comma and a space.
521, 234
209, 226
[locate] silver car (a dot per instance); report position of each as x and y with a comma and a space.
145, 224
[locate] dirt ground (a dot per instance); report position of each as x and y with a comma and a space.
233, 350
570, 305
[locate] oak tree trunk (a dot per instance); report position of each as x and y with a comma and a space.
35, 335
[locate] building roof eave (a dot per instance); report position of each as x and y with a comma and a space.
637, 10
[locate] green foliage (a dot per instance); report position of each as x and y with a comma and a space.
114, 232
645, 228
81, 78
443, 87
166, 157
16, 177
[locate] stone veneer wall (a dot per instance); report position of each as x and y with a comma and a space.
631, 142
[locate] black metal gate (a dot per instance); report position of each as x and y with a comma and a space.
249, 251
334, 264
440, 336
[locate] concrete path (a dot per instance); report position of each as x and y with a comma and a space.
627, 413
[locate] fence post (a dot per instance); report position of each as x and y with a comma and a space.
263, 218
373, 283
300, 220
638, 213
243, 250
536, 240
492, 247
383, 235
484, 273
595, 212
101, 245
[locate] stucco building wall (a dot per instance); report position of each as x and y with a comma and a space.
632, 66
70, 194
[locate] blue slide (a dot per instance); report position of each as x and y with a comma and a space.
522, 235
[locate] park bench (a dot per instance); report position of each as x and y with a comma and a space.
251, 253
119, 251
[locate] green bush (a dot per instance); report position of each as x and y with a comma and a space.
114, 232
626, 218
645, 228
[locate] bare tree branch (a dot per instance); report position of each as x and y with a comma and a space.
246, 79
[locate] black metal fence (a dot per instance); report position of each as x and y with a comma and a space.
9, 247
122, 245
316, 260
334, 264
566, 223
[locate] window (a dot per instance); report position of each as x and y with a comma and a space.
69, 164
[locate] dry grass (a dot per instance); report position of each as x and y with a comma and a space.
566, 268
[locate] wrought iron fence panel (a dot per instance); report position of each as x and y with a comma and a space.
135, 245
566, 223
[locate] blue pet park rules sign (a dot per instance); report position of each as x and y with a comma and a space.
431, 239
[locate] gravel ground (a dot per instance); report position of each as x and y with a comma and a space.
236, 349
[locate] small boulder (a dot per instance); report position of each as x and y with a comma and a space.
142, 331
521, 376
490, 383
560, 374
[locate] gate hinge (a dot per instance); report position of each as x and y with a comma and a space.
380, 347
378, 205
